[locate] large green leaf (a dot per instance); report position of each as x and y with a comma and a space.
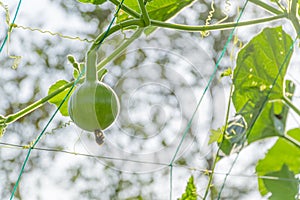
257, 65
161, 10
282, 153
285, 188
59, 98
190, 190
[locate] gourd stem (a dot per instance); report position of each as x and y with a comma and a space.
90, 67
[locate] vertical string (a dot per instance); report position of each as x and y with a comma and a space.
202, 96
56, 111
11, 25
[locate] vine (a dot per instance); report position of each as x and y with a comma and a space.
261, 102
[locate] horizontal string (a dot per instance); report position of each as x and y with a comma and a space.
204, 171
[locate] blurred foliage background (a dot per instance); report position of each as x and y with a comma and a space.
158, 80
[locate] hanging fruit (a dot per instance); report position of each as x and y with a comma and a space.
93, 106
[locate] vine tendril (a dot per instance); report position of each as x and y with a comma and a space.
52, 33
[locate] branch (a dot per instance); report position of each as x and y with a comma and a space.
266, 7
293, 9
120, 49
140, 23
117, 27
214, 27
145, 15
293, 16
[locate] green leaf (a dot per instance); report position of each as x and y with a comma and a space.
257, 65
96, 2
78, 67
161, 10
59, 98
268, 123
190, 191
294, 133
282, 153
226, 147
285, 188
272, 120
215, 136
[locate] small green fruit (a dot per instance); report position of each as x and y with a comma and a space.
93, 106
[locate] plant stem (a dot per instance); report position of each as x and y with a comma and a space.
291, 105
90, 67
216, 26
14, 117
121, 25
220, 145
145, 15
266, 7
126, 9
140, 23
293, 8
120, 49
293, 16
291, 140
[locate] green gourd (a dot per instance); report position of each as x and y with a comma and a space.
93, 106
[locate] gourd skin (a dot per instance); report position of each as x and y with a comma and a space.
93, 106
